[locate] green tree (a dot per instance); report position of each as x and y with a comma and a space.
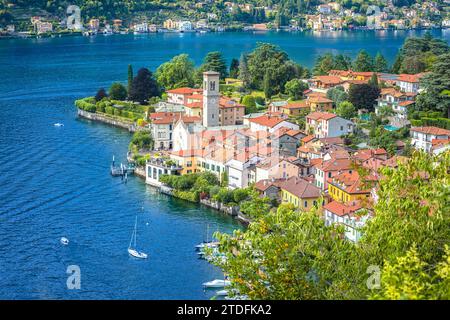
244, 74
286, 254
214, 61
177, 73
250, 104
436, 84
337, 94
234, 68
295, 88
130, 78
101, 94
410, 278
144, 86
380, 63
373, 81
363, 62
346, 110
363, 96
323, 65
267, 64
117, 91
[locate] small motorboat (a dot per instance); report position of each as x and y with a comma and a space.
217, 283
137, 254
59, 125
222, 293
207, 245
239, 297
64, 241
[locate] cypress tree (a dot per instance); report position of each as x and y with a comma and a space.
130, 78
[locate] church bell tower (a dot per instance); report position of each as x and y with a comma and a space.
211, 97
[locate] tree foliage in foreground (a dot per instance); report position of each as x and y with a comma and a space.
177, 73
286, 254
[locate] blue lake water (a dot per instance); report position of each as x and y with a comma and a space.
55, 181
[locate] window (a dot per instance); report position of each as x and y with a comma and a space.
306, 204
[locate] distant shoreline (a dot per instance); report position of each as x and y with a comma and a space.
80, 34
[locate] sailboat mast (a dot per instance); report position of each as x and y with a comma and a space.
135, 232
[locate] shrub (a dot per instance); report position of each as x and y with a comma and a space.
109, 110
101, 94
118, 91
192, 196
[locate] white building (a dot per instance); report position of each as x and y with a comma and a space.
328, 125
241, 172
409, 82
162, 125
141, 27
155, 168
184, 26
422, 137
346, 215
270, 123
398, 101
180, 95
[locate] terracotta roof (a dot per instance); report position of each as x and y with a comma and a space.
321, 115
432, 130
336, 165
319, 99
316, 162
352, 183
171, 118
396, 93
436, 142
406, 103
342, 73
365, 154
184, 91
300, 188
341, 209
267, 121
328, 79
414, 78
224, 102
296, 105
308, 138
194, 105
332, 140
315, 94
187, 153
265, 184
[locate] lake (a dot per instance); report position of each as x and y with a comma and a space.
55, 181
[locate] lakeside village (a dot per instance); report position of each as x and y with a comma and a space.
321, 142
326, 16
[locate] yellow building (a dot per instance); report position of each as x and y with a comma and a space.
295, 108
170, 24
347, 187
299, 192
187, 160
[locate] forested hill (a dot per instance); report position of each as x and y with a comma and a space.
255, 10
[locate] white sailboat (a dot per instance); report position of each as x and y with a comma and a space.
132, 250
217, 283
